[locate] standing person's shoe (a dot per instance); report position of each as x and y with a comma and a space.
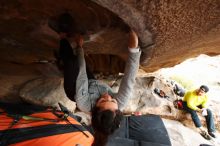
212, 134
205, 135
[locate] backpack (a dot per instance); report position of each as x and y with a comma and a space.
178, 104
31, 125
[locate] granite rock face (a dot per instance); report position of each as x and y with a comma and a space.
185, 136
169, 31
46, 92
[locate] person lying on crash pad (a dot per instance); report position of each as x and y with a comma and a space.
96, 97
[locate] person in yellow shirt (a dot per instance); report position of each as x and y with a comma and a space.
196, 101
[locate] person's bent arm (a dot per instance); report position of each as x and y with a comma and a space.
191, 104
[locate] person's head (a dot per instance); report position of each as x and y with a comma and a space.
106, 118
107, 102
202, 90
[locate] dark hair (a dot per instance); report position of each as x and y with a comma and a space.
104, 124
205, 88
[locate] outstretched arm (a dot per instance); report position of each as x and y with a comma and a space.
82, 96
132, 65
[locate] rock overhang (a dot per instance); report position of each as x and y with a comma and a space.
169, 32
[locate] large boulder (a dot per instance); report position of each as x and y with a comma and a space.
181, 135
169, 31
145, 100
46, 92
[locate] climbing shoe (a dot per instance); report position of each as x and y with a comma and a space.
212, 134
205, 135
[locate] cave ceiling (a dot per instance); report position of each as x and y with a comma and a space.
169, 31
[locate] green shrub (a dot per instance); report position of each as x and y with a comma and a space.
186, 83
